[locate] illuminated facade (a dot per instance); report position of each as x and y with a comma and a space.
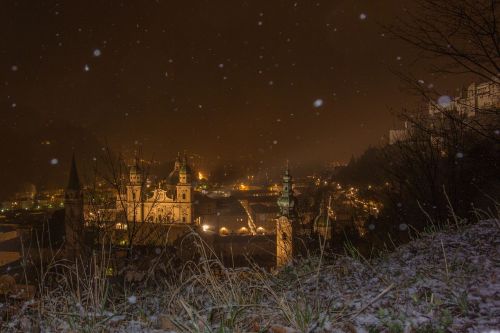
287, 204
471, 101
170, 202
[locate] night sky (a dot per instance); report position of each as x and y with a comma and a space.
261, 80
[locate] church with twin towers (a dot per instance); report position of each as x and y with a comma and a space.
170, 201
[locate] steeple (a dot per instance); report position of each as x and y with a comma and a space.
73, 213
184, 171
177, 164
135, 173
74, 181
287, 201
285, 222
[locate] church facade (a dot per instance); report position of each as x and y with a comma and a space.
168, 202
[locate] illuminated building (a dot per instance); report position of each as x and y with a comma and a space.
471, 102
170, 202
476, 97
287, 204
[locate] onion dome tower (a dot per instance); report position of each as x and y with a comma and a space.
173, 177
184, 193
135, 195
287, 204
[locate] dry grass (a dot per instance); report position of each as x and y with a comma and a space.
314, 295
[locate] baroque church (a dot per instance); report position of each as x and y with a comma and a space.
170, 201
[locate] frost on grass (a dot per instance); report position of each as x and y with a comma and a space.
442, 282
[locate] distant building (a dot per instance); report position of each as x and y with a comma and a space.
471, 101
287, 217
400, 135
73, 214
264, 218
170, 202
222, 216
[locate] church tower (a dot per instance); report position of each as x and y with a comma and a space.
73, 214
284, 223
184, 195
135, 203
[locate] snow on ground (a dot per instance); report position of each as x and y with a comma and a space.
443, 282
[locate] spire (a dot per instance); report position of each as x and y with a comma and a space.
74, 181
184, 158
177, 164
287, 201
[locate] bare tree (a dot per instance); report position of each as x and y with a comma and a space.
460, 35
116, 214
457, 37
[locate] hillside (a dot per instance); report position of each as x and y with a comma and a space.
442, 282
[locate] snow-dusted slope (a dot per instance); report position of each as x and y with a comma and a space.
443, 282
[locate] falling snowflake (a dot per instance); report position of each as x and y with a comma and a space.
54, 161
271, 83
260, 23
421, 81
444, 101
221, 65
460, 155
13, 105
318, 103
403, 226
86, 68
275, 142
14, 68
132, 299
97, 53
362, 16
398, 58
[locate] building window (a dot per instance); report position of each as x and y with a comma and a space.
183, 196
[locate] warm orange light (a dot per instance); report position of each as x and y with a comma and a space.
201, 176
